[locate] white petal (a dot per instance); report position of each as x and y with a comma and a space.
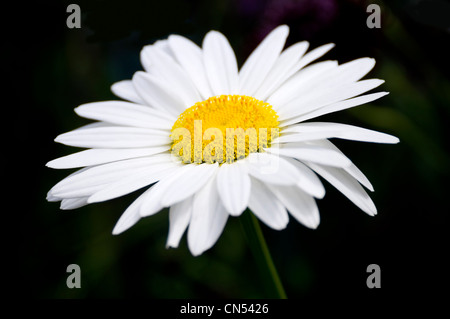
73, 203
133, 182
158, 94
336, 79
317, 78
52, 198
220, 64
305, 79
89, 180
349, 72
96, 125
316, 99
234, 186
101, 156
179, 217
352, 169
321, 130
291, 88
299, 204
264, 204
184, 182
146, 59
164, 46
218, 224
282, 70
308, 181
152, 202
166, 69
114, 137
341, 75
347, 185
334, 107
131, 215
127, 114
314, 55
208, 219
259, 63
312, 153
190, 57
272, 169
125, 90
188, 183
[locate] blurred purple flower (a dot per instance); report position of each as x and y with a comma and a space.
305, 17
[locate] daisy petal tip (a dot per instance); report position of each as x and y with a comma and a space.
120, 228
52, 198
234, 210
175, 38
237, 212
77, 109
213, 33
390, 139
369, 59
144, 49
320, 193
94, 199
284, 28
114, 87
50, 164
138, 75
58, 139
117, 231
313, 225
279, 226
65, 206
195, 251
372, 212
172, 242
80, 110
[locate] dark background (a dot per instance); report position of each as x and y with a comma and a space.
50, 69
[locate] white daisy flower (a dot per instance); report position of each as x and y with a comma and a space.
133, 144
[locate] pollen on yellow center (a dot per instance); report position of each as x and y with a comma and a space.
223, 128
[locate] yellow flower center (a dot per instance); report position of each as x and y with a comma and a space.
223, 128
